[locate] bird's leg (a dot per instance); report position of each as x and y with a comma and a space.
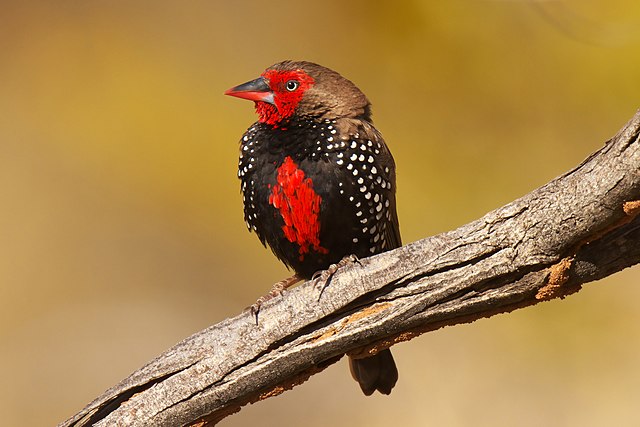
275, 291
323, 277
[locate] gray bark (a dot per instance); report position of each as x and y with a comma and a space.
580, 227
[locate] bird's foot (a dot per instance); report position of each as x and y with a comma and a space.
277, 290
323, 278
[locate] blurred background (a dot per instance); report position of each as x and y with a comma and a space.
121, 223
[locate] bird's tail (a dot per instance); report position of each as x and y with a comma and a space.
373, 373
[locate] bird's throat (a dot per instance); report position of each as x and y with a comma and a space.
268, 113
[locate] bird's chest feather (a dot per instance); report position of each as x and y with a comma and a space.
311, 191
298, 204
283, 183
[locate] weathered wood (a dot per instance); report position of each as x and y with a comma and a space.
580, 227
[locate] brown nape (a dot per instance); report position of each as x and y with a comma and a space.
332, 96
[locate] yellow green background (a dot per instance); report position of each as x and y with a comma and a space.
121, 228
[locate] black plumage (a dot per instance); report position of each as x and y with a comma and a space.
318, 181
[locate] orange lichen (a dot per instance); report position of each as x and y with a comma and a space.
368, 311
558, 276
632, 208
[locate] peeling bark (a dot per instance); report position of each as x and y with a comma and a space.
580, 227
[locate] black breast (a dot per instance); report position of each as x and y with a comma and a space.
352, 173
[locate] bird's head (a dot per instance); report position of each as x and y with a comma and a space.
299, 89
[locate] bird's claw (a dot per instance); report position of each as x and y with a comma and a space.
277, 290
323, 278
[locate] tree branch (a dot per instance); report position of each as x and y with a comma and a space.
580, 227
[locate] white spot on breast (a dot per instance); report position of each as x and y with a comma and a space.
376, 198
354, 144
368, 195
340, 155
350, 166
360, 180
340, 162
355, 240
353, 157
361, 158
355, 172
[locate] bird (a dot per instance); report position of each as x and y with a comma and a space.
318, 182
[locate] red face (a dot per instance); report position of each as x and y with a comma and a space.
276, 93
287, 88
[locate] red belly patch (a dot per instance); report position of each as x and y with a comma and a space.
299, 207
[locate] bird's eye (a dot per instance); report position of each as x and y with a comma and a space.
292, 85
